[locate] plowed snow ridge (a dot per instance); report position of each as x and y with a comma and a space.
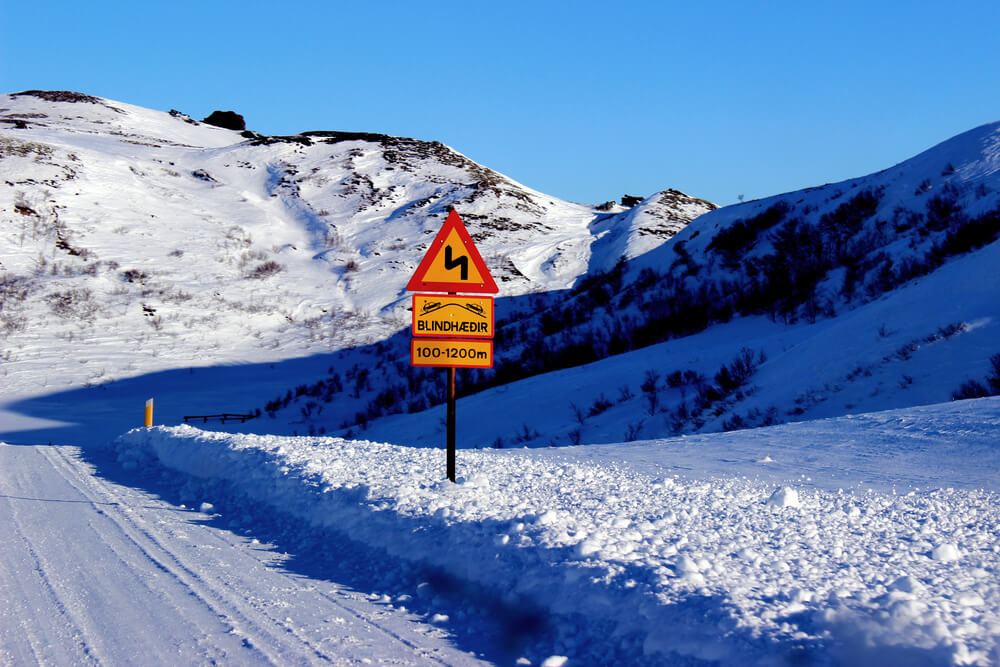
734, 566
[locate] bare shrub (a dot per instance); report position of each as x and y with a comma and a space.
134, 276
652, 402
601, 404
976, 389
994, 377
632, 431
249, 256
13, 291
264, 270
76, 303
526, 434
970, 389
649, 383
237, 237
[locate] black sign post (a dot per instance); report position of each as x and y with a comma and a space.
450, 425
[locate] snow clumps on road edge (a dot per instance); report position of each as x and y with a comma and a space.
725, 570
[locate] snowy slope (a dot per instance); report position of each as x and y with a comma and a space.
870, 539
888, 303
896, 214
914, 346
137, 240
876, 293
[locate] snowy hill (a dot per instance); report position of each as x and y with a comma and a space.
142, 240
871, 294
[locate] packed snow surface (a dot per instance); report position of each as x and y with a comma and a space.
95, 572
801, 542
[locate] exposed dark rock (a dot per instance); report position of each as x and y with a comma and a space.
336, 136
203, 175
671, 197
263, 140
61, 96
229, 120
183, 116
66, 96
630, 201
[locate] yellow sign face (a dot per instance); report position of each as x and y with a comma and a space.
461, 316
452, 263
452, 352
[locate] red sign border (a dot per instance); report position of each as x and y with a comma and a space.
417, 282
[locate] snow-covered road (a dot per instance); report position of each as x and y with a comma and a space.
94, 572
869, 539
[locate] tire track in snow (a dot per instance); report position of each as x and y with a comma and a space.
422, 652
34, 641
292, 583
249, 621
72, 474
212, 594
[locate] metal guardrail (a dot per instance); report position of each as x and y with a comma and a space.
223, 417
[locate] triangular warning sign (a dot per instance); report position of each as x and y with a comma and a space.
452, 263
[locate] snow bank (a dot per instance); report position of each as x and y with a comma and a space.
728, 569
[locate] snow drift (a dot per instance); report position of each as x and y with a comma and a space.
749, 565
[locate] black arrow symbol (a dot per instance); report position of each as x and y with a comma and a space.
453, 263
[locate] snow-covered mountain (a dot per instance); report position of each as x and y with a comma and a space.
875, 293
138, 240
142, 240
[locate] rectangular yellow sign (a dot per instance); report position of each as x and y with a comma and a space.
451, 353
460, 316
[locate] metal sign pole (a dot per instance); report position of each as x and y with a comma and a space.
450, 419
451, 423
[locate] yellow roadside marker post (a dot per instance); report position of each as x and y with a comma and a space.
149, 412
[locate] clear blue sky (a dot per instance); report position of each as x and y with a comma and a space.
582, 100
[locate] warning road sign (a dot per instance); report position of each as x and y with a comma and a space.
462, 316
452, 263
451, 353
